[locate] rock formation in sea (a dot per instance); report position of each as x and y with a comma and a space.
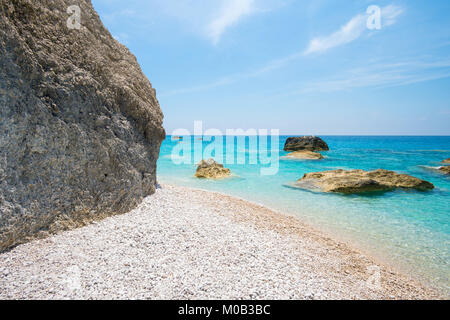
80, 125
304, 155
306, 143
360, 181
445, 169
210, 169
446, 160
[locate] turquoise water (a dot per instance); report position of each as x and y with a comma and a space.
408, 229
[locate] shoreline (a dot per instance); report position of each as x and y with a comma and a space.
188, 243
297, 225
351, 243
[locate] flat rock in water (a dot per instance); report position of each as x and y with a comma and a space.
306, 143
210, 169
446, 160
445, 169
360, 181
304, 155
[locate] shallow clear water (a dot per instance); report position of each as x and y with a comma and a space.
406, 228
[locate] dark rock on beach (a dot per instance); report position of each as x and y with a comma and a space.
360, 181
80, 125
306, 143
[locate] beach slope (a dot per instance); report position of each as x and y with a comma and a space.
183, 243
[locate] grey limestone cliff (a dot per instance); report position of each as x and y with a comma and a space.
80, 125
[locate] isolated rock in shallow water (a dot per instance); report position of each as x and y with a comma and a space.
304, 155
445, 169
210, 169
308, 143
80, 125
359, 181
446, 160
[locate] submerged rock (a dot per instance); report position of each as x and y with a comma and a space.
445, 169
306, 143
304, 155
360, 181
80, 125
446, 160
210, 169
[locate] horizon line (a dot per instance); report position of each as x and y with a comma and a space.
334, 135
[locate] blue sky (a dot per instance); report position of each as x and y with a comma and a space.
304, 67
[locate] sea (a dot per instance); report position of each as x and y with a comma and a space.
409, 230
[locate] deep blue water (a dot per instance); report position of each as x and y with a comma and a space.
408, 229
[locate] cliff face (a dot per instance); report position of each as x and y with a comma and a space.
80, 125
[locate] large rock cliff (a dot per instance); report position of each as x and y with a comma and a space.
80, 125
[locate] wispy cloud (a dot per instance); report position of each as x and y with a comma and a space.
380, 75
233, 78
389, 14
210, 19
347, 33
352, 30
230, 13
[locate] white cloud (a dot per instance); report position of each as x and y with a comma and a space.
230, 13
210, 19
347, 33
352, 30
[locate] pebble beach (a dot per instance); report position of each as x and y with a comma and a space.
184, 243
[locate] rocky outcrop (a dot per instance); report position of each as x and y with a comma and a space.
304, 155
306, 143
80, 125
446, 160
360, 181
210, 169
445, 169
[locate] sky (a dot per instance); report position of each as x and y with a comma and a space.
322, 67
